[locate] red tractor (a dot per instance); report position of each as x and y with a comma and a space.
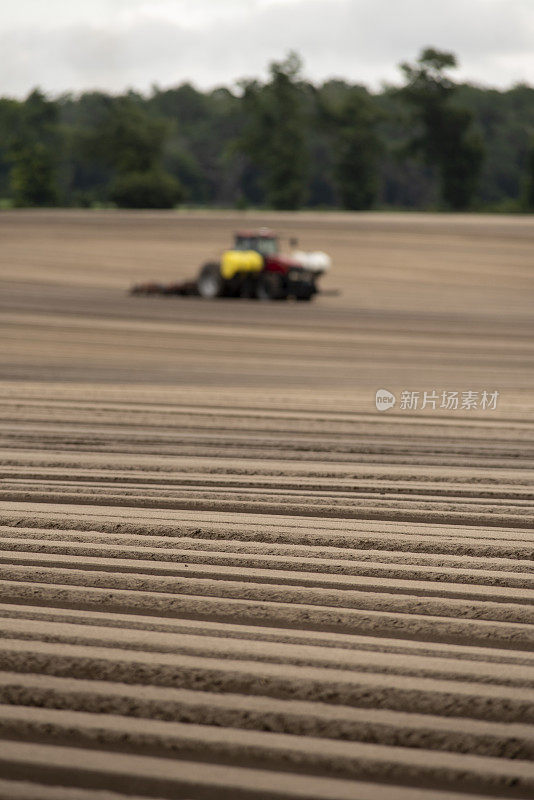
254, 268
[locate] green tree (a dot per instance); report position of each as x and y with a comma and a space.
267, 143
148, 189
274, 135
352, 126
528, 197
33, 176
130, 141
443, 133
31, 144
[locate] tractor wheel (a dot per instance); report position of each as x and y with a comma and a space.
270, 287
305, 294
304, 289
210, 282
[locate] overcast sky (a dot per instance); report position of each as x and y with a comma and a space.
68, 45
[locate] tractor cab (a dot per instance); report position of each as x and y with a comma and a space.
263, 241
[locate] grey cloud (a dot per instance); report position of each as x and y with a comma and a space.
362, 40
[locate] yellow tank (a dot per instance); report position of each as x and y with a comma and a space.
234, 261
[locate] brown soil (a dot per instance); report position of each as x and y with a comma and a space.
223, 573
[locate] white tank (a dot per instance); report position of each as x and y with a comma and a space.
315, 261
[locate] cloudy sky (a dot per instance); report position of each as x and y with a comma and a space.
63, 45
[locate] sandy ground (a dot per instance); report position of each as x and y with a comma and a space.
223, 573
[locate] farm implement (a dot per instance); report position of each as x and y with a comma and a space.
253, 268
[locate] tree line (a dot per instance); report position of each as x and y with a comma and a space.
282, 143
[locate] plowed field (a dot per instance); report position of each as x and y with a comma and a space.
223, 573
